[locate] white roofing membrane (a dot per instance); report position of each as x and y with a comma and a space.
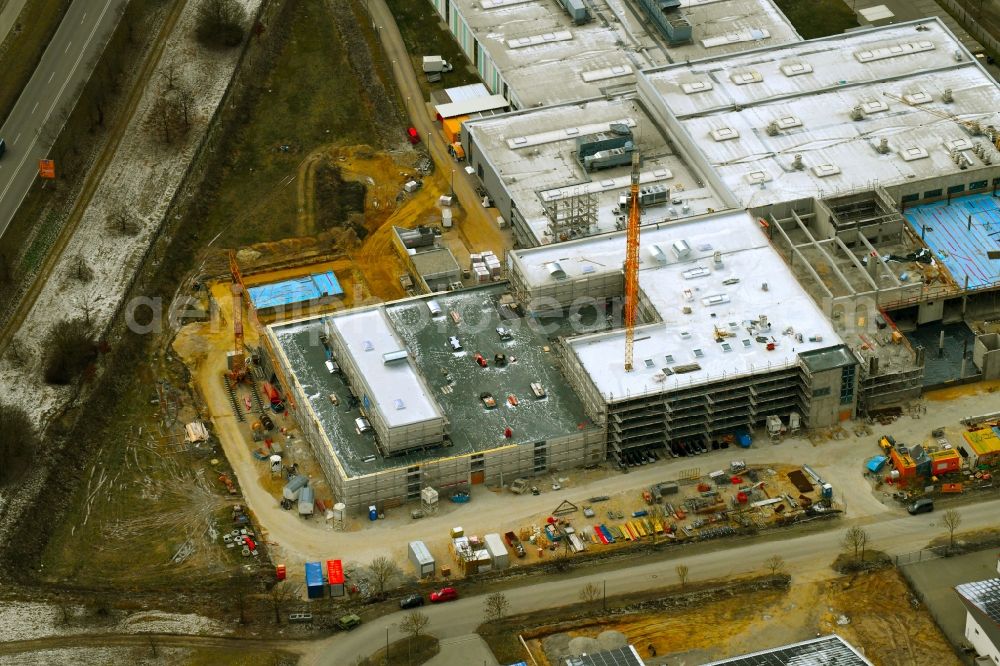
368, 335
810, 91
727, 297
534, 154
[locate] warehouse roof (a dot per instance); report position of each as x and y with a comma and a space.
534, 154
829, 650
832, 101
721, 27
546, 59
397, 390
711, 308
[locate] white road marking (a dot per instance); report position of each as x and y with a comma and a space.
16, 138
84, 18
34, 108
67, 47
50, 76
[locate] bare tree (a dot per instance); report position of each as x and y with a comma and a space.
220, 22
80, 270
496, 606
775, 564
69, 350
682, 573
413, 623
951, 520
121, 222
384, 571
855, 539
590, 593
153, 647
279, 595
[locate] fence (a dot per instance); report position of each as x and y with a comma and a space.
922, 555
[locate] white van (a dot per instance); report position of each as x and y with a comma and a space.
362, 425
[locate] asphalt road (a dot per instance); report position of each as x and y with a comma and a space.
807, 557
66, 64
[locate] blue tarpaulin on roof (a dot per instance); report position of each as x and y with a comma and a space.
875, 464
296, 290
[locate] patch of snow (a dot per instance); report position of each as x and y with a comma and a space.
143, 176
62, 656
27, 620
157, 622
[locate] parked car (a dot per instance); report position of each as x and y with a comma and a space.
411, 601
413, 135
922, 505
444, 594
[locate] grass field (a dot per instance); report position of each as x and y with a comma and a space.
255, 199
818, 18
21, 51
423, 34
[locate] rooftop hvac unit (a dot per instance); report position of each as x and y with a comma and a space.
681, 249
577, 11
657, 254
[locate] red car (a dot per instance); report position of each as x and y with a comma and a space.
413, 135
444, 594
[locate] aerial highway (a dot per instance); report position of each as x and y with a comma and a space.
66, 64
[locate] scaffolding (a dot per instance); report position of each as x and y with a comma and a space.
571, 217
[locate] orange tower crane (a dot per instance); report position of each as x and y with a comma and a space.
239, 365
632, 264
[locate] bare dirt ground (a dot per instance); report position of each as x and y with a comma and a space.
872, 611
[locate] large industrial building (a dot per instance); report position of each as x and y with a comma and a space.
541, 52
814, 216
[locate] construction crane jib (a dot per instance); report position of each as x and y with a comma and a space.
632, 264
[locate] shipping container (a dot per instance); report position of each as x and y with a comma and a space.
453, 128
314, 580
335, 577
497, 550
421, 558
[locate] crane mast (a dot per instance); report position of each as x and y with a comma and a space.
238, 371
632, 264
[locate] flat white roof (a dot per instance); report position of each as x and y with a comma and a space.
399, 393
810, 91
534, 154
472, 105
727, 298
722, 27
547, 59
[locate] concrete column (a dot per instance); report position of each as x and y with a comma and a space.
941, 345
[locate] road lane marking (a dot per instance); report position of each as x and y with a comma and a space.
84, 18
50, 76
67, 47
15, 140
34, 108
27, 153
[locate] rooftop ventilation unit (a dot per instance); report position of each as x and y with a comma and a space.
681, 249
606, 149
917, 98
657, 254
555, 270
666, 15
894, 51
576, 10
883, 146
797, 163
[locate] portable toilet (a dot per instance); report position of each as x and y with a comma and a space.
307, 498
372, 513
276, 465
826, 490
314, 580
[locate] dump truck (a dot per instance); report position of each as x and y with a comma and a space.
514, 543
